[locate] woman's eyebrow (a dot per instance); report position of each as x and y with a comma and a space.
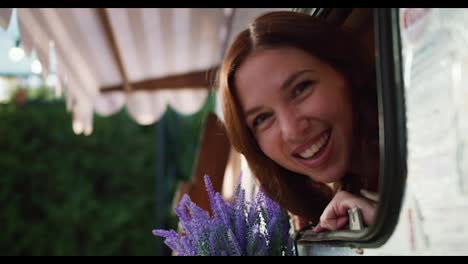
252, 111
293, 77
285, 85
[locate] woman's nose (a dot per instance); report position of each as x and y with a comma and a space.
294, 127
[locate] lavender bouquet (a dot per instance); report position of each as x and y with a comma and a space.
238, 228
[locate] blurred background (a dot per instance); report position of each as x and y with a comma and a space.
68, 194
107, 117
63, 194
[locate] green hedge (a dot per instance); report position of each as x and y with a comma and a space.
62, 194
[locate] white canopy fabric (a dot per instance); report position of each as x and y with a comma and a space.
152, 43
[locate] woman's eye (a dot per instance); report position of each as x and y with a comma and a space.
301, 87
259, 119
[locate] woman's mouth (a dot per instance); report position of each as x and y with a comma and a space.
316, 152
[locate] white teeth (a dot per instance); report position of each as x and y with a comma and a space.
308, 153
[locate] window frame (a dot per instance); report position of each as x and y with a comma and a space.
392, 136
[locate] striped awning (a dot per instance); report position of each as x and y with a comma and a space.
141, 58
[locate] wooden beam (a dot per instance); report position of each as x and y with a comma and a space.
212, 157
203, 79
102, 14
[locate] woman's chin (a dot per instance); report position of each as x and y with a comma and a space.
329, 177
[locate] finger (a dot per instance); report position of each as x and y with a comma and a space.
335, 223
341, 222
318, 229
366, 206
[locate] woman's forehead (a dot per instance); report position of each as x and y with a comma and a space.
266, 62
261, 76
273, 66
270, 64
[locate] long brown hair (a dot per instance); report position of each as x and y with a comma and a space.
332, 44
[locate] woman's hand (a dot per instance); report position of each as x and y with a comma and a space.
335, 215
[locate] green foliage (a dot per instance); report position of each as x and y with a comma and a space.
181, 145
62, 194
42, 93
183, 132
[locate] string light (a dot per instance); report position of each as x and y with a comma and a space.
16, 53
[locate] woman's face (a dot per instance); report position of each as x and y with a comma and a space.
299, 110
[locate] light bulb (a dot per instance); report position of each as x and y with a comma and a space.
16, 54
36, 67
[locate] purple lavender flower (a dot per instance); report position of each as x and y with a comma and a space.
218, 206
239, 218
259, 227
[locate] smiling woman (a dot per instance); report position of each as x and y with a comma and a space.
291, 114
299, 101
